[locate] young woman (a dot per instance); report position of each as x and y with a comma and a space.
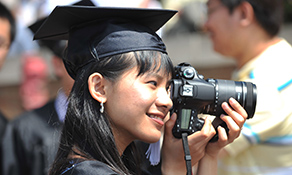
121, 94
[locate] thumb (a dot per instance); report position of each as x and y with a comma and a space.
170, 123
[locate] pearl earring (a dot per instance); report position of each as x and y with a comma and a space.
101, 107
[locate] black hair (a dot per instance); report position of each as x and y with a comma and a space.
89, 130
6, 14
268, 13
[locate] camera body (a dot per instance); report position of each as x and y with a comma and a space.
192, 95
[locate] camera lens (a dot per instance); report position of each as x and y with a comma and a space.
251, 97
244, 92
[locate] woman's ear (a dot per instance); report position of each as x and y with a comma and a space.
96, 84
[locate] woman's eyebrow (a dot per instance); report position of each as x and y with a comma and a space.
154, 74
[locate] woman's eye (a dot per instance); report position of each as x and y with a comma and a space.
153, 83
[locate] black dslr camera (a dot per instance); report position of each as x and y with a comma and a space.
192, 95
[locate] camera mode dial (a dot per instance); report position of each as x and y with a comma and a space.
189, 73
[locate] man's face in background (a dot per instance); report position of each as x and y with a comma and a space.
4, 39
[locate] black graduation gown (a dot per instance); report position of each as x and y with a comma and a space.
145, 166
3, 123
31, 142
89, 168
99, 168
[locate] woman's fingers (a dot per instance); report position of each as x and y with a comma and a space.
235, 118
199, 140
236, 111
223, 137
170, 123
234, 128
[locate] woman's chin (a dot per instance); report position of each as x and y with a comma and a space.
153, 138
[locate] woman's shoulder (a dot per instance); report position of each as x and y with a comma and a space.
89, 168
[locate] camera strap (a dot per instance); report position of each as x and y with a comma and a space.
188, 157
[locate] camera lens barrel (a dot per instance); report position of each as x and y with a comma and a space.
244, 92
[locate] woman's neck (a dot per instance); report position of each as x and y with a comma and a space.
75, 153
122, 142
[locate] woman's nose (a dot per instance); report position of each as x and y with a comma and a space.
164, 99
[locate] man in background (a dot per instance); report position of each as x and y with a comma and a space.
246, 31
7, 32
31, 140
7, 35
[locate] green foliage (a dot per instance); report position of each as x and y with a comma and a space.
288, 11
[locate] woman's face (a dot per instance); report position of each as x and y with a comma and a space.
137, 106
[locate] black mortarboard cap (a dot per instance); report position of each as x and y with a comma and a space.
97, 32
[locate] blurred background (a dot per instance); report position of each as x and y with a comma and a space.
27, 80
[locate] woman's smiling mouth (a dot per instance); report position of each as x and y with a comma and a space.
157, 119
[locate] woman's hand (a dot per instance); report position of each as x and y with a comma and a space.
173, 161
235, 118
201, 149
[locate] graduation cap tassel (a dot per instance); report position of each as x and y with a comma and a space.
153, 153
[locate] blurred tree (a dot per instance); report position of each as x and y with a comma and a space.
288, 11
